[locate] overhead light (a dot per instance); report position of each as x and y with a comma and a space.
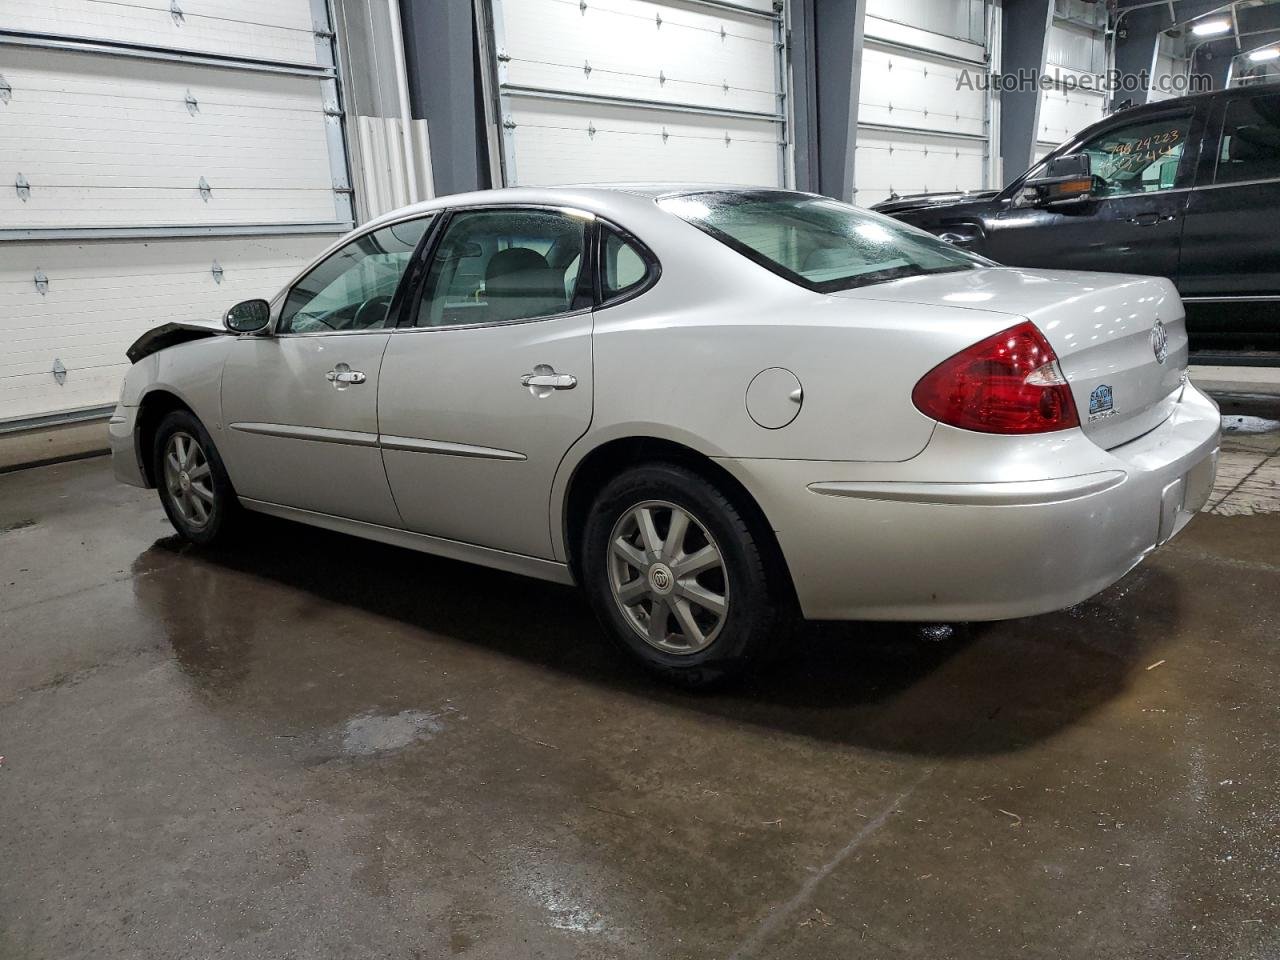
1210, 28
1266, 53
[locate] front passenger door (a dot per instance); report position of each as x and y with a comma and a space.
300, 406
1132, 223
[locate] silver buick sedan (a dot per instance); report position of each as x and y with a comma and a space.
711, 408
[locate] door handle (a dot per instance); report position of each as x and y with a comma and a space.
342, 376
544, 379
1151, 218
556, 381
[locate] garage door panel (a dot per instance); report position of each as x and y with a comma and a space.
34, 395
703, 82
554, 145
107, 141
157, 207
279, 30
102, 296
907, 91
694, 56
903, 163
1065, 112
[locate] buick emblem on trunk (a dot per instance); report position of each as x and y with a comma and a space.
1160, 342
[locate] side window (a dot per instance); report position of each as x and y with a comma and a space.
492, 266
352, 289
1139, 158
1250, 140
622, 266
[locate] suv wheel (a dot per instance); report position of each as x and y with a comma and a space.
194, 487
676, 575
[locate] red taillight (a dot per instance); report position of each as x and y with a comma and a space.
1008, 383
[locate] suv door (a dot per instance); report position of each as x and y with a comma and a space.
1133, 223
1230, 273
299, 406
489, 384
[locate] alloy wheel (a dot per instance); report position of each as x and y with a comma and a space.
668, 577
188, 479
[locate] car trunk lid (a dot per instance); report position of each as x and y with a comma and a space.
1121, 340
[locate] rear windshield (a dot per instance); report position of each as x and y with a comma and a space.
815, 242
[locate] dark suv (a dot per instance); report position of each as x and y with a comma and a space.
1187, 189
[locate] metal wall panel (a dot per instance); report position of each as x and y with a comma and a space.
623, 88
281, 30
921, 126
101, 295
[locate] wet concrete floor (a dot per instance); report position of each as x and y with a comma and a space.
319, 747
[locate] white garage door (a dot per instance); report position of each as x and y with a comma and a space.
594, 90
158, 161
922, 115
1076, 60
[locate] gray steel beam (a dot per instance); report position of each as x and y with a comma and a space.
441, 59
1024, 47
836, 52
1213, 60
804, 95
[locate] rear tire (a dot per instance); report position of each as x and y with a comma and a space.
676, 575
194, 487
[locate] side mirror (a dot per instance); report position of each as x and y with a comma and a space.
251, 316
1064, 179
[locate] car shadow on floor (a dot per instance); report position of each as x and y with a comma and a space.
935, 690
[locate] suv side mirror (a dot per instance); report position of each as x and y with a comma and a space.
1065, 179
251, 316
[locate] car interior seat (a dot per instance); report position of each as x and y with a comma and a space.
518, 282
1254, 153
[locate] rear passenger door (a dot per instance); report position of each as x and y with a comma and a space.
490, 382
1231, 244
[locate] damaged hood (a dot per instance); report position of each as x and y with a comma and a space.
172, 334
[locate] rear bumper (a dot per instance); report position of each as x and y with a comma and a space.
982, 527
124, 448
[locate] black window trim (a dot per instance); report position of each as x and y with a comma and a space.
1219, 124
653, 266
405, 323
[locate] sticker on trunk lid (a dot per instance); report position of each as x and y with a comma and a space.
1100, 403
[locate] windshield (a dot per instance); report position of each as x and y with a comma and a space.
816, 242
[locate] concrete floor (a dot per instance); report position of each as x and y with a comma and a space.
318, 747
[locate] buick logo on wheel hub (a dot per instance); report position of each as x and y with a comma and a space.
661, 578
1160, 342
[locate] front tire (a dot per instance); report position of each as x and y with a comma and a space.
195, 491
677, 576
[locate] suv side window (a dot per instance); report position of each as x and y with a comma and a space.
498, 265
1250, 140
1140, 157
623, 265
352, 288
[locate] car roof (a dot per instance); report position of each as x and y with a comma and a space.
1161, 105
609, 197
